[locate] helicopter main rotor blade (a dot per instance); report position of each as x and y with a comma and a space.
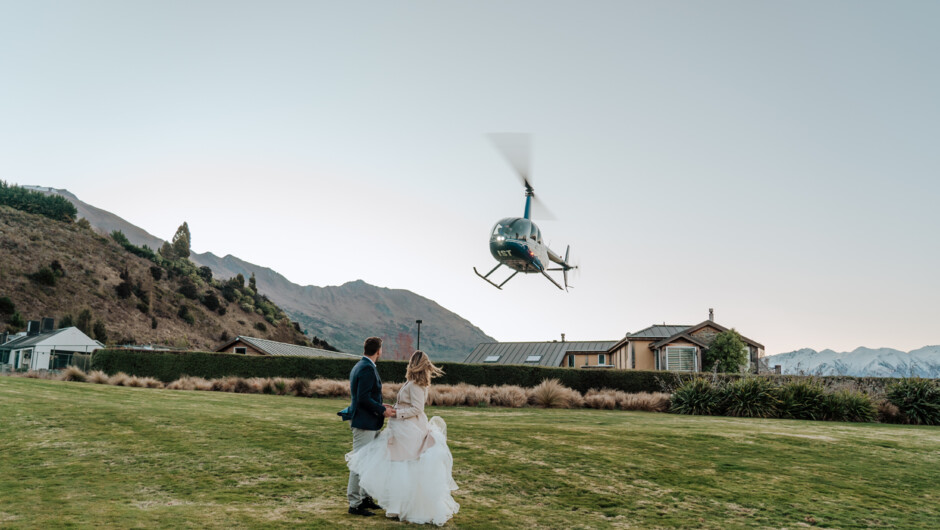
516, 148
540, 211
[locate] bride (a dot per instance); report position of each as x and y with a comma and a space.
407, 468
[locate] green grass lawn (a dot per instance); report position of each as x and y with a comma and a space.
94, 455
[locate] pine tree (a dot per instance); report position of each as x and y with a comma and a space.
181, 241
252, 283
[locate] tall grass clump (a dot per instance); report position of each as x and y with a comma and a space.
74, 373
917, 399
97, 377
645, 401
550, 393
600, 399
849, 405
802, 400
508, 396
697, 396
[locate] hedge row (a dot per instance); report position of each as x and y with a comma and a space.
170, 366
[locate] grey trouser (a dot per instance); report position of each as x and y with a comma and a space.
354, 493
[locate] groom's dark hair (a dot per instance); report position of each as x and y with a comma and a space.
371, 346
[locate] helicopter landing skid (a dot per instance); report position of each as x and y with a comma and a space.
487, 280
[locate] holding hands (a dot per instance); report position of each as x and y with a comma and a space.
390, 411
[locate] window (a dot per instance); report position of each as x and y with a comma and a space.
681, 359
571, 361
601, 358
241, 349
533, 358
491, 358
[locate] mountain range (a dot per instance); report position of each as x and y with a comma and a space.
861, 362
344, 315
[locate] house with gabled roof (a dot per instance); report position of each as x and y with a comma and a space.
673, 347
42, 347
255, 346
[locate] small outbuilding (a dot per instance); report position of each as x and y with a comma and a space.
43, 347
254, 346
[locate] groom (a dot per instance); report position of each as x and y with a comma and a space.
367, 415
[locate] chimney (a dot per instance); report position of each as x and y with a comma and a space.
48, 325
563, 337
711, 314
32, 328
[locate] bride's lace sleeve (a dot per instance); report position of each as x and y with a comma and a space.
417, 395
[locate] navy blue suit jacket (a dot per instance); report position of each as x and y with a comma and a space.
365, 387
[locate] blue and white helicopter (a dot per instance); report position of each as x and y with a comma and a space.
516, 242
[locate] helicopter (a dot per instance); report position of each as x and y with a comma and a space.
516, 242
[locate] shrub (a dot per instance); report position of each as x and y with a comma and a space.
101, 334
66, 322
124, 290
188, 288
801, 400
210, 300
888, 412
697, 396
260, 326
6, 306
153, 322
156, 272
16, 321
728, 351
751, 397
52, 206
849, 405
222, 310
44, 276
185, 314
300, 387
917, 399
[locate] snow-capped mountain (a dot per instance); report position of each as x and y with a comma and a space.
861, 362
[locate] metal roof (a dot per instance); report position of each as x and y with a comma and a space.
27, 341
551, 353
658, 331
282, 349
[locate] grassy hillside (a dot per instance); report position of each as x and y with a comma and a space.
91, 268
137, 457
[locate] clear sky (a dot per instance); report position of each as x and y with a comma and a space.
776, 161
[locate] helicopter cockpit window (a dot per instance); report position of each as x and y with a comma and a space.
512, 228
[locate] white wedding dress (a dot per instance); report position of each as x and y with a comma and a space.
407, 469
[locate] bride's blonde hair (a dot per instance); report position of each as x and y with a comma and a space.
421, 369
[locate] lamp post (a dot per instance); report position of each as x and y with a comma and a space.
419, 334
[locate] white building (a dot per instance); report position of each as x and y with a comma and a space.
44, 350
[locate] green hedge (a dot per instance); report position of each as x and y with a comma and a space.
169, 366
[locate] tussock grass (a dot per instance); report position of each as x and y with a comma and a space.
508, 396
551, 394
73, 373
98, 377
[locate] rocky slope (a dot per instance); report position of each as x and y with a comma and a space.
343, 315
91, 266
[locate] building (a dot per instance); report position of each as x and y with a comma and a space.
575, 354
657, 347
254, 346
674, 347
43, 347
